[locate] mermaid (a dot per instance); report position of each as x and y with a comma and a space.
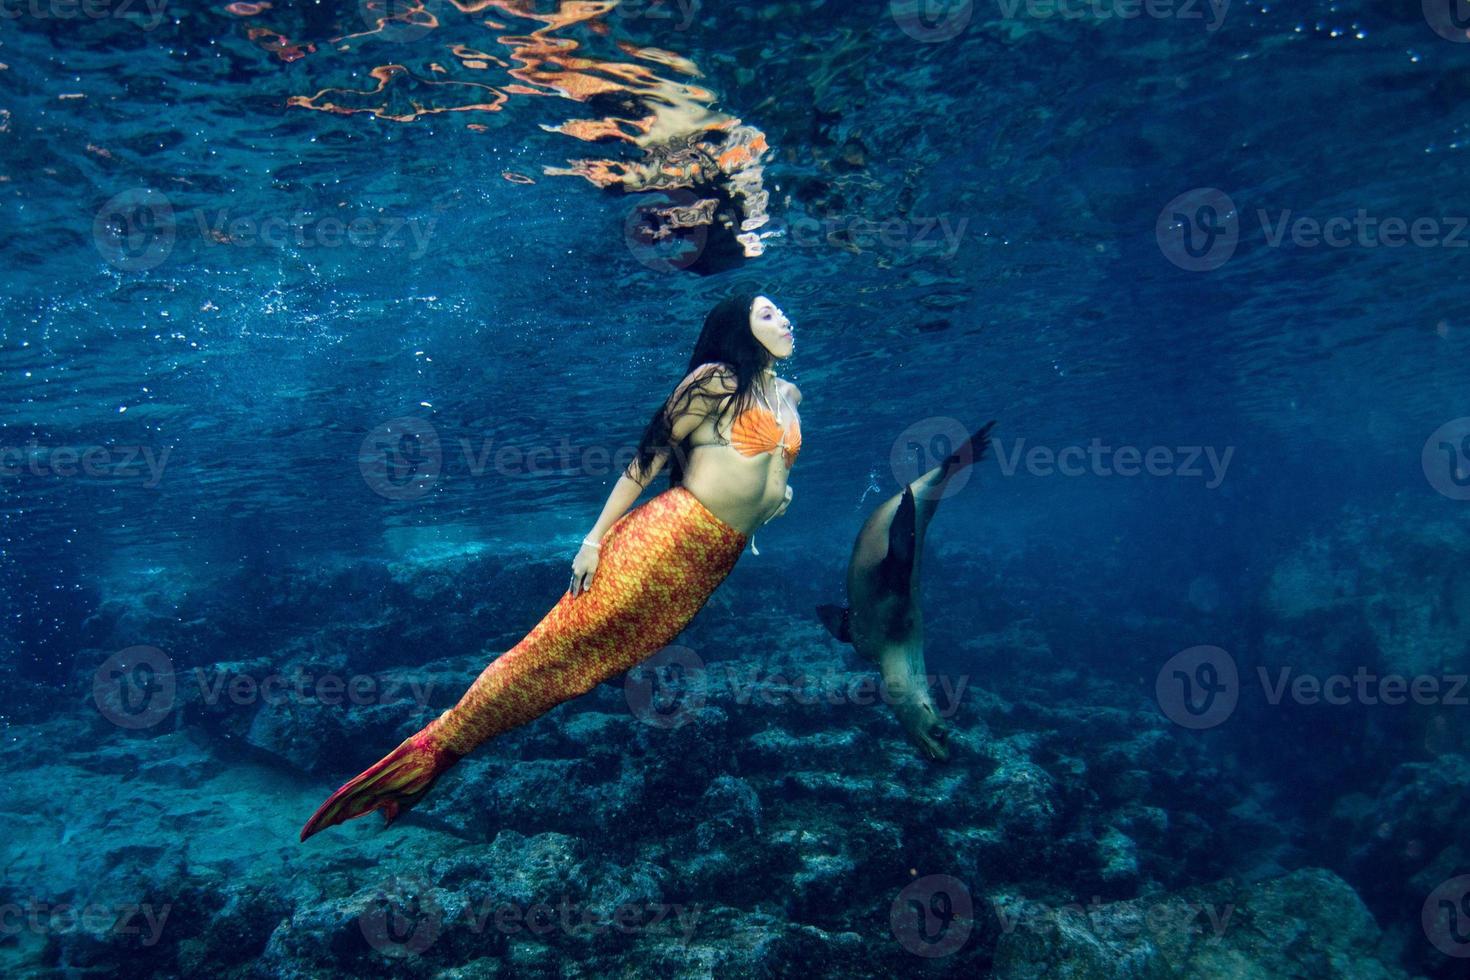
640, 576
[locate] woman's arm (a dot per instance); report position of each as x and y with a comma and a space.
624, 494
713, 383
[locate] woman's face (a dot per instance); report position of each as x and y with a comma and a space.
771, 327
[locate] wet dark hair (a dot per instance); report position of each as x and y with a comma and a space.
726, 340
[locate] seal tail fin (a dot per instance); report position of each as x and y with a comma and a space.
835, 618
970, 452
897, 567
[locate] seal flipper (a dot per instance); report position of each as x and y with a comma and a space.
897, 568
837, 621
971, 452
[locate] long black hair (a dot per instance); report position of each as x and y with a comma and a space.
726, 339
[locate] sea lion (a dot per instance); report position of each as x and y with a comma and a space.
883, 619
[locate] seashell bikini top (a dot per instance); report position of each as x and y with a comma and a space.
756, 431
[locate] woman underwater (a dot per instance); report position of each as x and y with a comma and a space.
640, 576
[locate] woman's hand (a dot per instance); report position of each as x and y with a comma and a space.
583, 568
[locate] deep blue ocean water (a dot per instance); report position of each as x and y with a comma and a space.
247, 247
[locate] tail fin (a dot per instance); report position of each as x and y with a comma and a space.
897, 568
835, 618
392, 784
971, 451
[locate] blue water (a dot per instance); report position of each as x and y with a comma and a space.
185, 296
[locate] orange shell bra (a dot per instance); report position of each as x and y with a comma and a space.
757, 431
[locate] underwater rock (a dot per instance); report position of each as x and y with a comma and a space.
1306, 924
1022, 799
1418, 813
730, 810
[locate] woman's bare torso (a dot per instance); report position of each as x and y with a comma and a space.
743, 491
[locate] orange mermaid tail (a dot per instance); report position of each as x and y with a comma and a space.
658, 565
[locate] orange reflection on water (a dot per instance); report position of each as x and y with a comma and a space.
681, 140
416, 18
406, 99
278, 44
